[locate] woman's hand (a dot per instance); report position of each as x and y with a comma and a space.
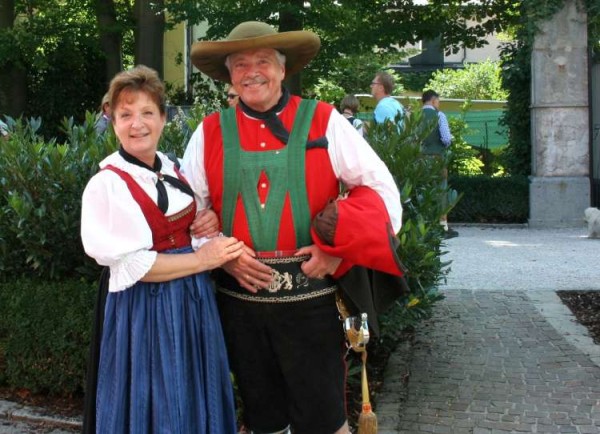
250, 273
219, 250
205, 224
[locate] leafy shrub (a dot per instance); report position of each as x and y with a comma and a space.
420, 183
40, 195
45, 334
328, 91
491, 199
475, 81
463, 158
177, 133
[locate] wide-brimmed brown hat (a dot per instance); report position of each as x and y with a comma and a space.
299, 47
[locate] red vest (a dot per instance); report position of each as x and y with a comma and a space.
170, 232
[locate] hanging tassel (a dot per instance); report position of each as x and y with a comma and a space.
367, 421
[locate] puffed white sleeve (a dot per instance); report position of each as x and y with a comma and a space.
114, 231
356, 163
193, 169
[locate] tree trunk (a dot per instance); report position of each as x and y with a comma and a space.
149, 33
110, 37
290, 19
13, 84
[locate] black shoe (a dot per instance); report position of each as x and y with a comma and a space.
450, 233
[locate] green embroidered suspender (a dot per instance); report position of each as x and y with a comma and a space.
285, 171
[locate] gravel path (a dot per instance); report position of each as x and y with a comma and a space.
523, 259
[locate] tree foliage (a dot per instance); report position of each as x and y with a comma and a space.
62, 48
353, 27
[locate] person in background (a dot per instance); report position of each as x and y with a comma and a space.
387, 108
232, 96
268, 169
103, 121
437, 142
3, 131
162, 364
349, 108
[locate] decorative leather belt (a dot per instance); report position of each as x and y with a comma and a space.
289, 283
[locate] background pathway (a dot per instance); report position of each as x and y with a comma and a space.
501, 354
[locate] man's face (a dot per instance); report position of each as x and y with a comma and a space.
376, 88
256, 75
435, 102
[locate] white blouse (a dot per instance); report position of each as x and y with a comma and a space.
114, 230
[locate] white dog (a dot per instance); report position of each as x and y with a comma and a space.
592, 217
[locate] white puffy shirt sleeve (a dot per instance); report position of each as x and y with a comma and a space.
192, 167
356, 163
114, 231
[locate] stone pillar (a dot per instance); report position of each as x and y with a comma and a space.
560, 183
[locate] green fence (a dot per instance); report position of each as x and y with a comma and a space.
483, 128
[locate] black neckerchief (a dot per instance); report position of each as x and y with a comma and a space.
275, 125
162, 198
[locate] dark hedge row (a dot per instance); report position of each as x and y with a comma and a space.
491, 199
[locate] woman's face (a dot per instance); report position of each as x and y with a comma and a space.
138, 124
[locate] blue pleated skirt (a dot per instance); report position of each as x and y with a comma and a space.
163, 365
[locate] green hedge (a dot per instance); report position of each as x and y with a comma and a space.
491, 199
44, 334
41, 183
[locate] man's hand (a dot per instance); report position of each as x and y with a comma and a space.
250, 273
205, 224
320, 263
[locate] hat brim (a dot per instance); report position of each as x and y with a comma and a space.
299, 47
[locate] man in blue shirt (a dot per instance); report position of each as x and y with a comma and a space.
440, 138
388, 108
436, 143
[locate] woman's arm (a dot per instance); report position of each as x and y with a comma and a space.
212, 254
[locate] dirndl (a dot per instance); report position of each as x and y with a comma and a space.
163, 364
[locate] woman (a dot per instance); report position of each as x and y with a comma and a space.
162, 362
349, 108
232, 96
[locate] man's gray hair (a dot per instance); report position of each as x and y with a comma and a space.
280, 58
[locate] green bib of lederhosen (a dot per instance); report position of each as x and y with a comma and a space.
284, 169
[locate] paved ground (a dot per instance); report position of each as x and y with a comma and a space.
501, 353
523, 259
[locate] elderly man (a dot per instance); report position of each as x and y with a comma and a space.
387, 108
272, 167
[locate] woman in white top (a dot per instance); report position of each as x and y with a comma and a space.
162, 364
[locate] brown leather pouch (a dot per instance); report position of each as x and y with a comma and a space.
326, 221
